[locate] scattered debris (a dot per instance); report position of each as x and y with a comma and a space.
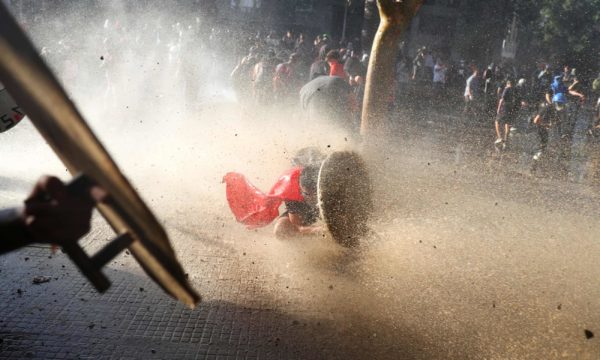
588, 334
41, 279
330, 287
26, 259
91, 326
19, 291
141, 289
559, 307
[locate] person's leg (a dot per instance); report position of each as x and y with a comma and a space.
498, 134
561, 118
506, 131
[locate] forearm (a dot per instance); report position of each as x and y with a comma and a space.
309, 229
380, 78
13, 233
575, 93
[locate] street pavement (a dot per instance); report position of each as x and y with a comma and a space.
473, 256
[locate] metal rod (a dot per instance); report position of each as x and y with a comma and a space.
87, 266
111, 250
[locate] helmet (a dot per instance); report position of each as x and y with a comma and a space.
10, 113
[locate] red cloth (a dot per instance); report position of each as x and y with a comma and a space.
252, 207
336, 69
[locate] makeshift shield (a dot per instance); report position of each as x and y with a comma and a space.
37, 91
345, 197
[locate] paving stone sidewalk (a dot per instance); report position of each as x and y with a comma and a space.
65, 318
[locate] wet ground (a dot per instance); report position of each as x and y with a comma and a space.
474, 256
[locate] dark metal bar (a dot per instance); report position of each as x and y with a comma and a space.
87, 267
111, 250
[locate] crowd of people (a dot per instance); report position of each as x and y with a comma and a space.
277, 69
552, 98
289, 71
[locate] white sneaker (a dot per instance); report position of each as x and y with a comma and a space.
498, 141
537, 156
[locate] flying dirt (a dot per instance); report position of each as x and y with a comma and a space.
462, 259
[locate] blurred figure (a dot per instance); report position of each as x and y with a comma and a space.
320, 67
506, 114
353, 66
429, 64
543, 82
595, 128
418, 63
328, 99
288, 42
263, 78
472, 94
543, 123
286, 82
241, 76
439, 78
556, 95
336, 68
489, 90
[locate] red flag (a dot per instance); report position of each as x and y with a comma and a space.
254, 208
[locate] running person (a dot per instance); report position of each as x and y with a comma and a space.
506, 113
557, 96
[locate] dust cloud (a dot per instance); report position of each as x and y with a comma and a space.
460, 261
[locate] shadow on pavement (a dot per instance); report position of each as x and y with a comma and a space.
66, 318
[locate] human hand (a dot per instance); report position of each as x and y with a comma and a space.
54, 215
398, 11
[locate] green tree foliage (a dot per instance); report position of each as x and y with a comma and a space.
569, 31
552, 30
